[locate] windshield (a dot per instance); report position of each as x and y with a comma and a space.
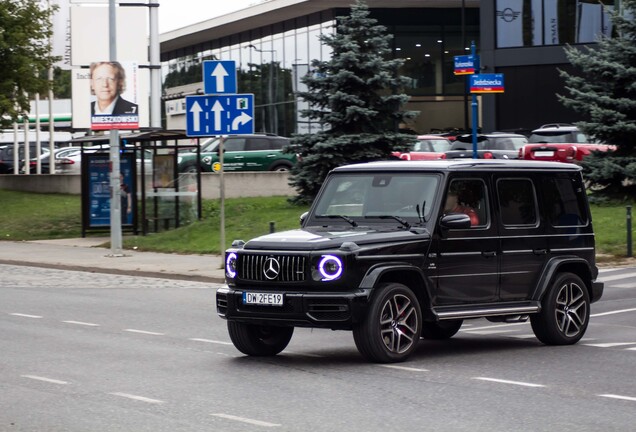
406, 195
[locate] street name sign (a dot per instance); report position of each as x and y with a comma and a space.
466, 64
487, 83
231, 114
219, 77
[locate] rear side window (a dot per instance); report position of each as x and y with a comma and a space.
517, 202
258, 144
277, 144
565, 202
234, 144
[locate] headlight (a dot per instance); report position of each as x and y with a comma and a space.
330, 267
230, 265
179, 159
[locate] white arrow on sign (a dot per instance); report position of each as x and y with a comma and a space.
196, 118
217, 108
240, 120
220, 73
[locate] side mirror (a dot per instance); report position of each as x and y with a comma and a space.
455, 221
303, 217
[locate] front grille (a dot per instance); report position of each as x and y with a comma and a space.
271, 268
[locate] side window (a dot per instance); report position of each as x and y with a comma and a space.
565, 202
517, 202
258, 144
277, 144
234, 144
468, 196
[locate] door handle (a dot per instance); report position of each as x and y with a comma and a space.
540, 251
489, 254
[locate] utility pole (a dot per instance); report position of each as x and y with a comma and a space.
115, 186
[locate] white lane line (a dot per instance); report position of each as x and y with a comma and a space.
617, 277
87, 324
612, 312
610, 344
300, 354
492, 327
522, 336
519, 383
144, 332
613, 396
630, 349
138, 398
404, 368
487, 332
210, 341
48, 380
25, 315
246, 420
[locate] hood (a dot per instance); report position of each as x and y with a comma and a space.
318, 239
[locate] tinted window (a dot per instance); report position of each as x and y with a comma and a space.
258, 144
468, 196
510, 143
234, 144
277, 144
550, 137
565, 202
517, 202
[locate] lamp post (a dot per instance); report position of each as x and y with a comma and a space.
273, 113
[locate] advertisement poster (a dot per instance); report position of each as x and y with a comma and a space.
114, 95
163, 171
99, 189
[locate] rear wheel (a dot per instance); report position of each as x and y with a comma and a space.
258, 340
391, 330
565, 312
280, 167
441, 330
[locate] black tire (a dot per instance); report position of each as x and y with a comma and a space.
565, 311
441, 330
280, 167
392, 327
258, 340
190, 169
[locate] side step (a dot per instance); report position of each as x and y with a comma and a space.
486, 310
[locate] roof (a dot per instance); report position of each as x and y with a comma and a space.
461, 165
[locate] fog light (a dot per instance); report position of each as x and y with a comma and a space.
230, 265
330, 267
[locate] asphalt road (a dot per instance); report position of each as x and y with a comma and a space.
96, 352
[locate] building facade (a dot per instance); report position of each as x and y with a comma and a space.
274, 42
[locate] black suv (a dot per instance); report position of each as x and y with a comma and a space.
489, 146
397, 251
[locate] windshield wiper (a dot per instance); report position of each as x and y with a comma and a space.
343, 217
404, 223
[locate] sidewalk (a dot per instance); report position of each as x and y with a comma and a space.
82, 254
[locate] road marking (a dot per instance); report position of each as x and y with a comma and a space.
138, 398
612, 312
613, 396
519, 383
523, 336
492, 327
617, 277
81, 323
144, 332
246, 420
48, 380
487, 332
610, 344
210, 341
25, 315
303, 354
630, 349
405, 368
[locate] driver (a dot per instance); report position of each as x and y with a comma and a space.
454, 205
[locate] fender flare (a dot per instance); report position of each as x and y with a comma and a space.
552, 267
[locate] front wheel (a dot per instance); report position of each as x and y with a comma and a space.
391, 330
258, 340
565, 312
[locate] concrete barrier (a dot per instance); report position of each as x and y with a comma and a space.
237, 184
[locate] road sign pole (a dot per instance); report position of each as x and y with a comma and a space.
474, 106
115, 192
222, 193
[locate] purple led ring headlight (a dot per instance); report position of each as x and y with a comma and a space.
230, 265
326, 275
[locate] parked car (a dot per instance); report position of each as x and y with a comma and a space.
259, 152
489, 146
7, 161
397, 250
427, 147
561, 143
71, 161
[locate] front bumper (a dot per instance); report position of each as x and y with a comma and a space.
334, 310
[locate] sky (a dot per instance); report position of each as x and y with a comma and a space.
174, 14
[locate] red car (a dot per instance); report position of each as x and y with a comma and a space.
427, 147
560, 143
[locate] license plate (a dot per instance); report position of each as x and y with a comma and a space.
544, 153
263, 299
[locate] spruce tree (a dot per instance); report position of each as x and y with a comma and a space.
355, 97
604, 93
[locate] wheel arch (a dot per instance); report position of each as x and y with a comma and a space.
406, 274
575, 265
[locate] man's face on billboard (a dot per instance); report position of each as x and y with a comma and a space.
105, 82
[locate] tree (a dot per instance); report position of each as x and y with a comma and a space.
24, 55
604, 93
355, 98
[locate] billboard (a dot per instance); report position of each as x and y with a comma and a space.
114, 95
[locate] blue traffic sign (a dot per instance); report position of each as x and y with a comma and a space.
220, 115
219, 76
466, 64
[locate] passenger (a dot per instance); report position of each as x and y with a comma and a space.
453, 205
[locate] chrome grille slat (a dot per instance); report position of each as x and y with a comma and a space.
292, 267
